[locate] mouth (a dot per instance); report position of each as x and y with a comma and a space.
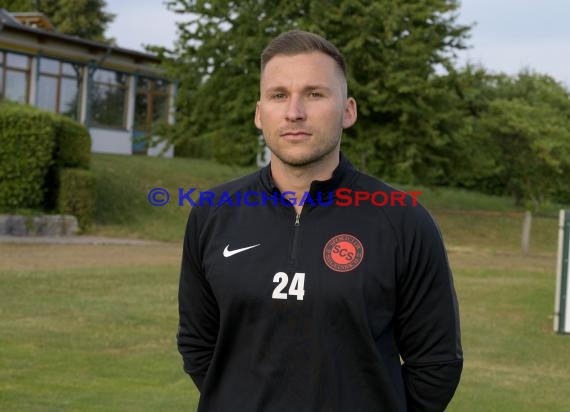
296, 134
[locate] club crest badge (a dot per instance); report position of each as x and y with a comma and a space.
343, 253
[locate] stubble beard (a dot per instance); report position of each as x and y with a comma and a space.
310, 158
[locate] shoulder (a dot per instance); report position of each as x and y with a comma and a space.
419, 239
403, 209
391, 200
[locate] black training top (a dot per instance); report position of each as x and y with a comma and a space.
339, 309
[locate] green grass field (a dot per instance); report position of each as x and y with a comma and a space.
91, 339
92, 328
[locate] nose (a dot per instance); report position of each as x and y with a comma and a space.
296, 109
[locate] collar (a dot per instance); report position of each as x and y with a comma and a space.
342, 176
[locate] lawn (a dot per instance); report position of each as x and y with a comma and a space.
93, 330
93, 337
92, 327
513, 360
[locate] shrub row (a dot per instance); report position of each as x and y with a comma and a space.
26, 152
43, 163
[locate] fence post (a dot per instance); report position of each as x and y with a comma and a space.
561, 301
527, 223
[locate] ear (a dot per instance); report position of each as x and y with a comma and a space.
257, 119
350, 113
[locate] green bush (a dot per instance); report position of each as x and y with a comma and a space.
76, 195
198, 147
26, 148
72, 143
43, 162
72, 149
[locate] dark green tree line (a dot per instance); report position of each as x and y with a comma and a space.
517, 139
393, 48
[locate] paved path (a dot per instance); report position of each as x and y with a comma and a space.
75, 240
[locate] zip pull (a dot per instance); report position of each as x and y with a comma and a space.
297, 217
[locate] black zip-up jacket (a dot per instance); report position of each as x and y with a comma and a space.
339, 309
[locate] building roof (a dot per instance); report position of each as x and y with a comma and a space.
9, 22
34, 19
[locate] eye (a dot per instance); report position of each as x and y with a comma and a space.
278, 96
315, 94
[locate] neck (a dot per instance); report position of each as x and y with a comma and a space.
298, 180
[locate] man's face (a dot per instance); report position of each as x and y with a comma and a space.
303, 107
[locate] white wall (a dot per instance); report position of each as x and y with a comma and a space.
111, 141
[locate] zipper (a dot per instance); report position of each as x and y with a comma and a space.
295, 236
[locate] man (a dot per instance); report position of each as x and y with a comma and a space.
314, 307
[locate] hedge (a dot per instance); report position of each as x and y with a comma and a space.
43, 158
72, 149
76, 195
26, 150
72, 143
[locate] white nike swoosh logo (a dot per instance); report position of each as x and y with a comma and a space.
228, 253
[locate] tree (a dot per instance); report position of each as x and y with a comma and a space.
473, 160
513, 138
392, 47
17, 5
82, 18
528, 123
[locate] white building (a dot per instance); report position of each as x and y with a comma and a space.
119, 94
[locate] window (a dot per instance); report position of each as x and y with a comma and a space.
14, 77
47, 93
151, 103
108, 98
59, 87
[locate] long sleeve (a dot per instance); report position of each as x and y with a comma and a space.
428, 329
198, 309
